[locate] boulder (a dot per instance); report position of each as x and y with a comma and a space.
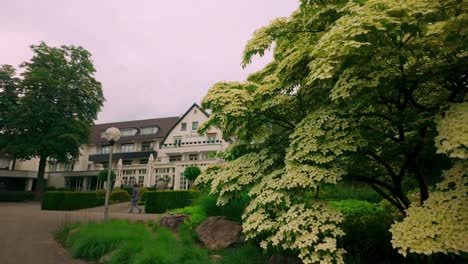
173, 220
216, 232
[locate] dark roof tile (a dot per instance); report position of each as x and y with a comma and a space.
165, 124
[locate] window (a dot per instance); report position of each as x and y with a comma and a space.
52, 167
183, 126
144, 161
149, 130
105, 149
177, 141
184, 182
193, 157
211, 137
175, 158
141, 180
126, 162
194, 125
142, 172
69, 166
147, 146
128, 172
127, 132
126, 147
103, 134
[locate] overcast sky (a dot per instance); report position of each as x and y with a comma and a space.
154, 58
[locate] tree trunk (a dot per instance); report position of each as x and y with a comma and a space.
39, 191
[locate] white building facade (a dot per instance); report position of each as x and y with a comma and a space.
172, 143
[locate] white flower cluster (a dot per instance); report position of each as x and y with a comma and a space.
440, 224
453, 132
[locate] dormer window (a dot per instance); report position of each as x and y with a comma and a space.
128, 132
149, 130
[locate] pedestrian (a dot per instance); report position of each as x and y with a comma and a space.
135, 198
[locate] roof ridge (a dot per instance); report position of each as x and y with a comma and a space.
138, 120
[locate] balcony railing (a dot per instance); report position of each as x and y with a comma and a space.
122, 155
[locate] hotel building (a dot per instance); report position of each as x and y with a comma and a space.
172, 142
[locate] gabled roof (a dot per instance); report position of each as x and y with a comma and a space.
182, 117
164, 124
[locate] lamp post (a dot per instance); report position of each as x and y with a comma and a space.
112, 134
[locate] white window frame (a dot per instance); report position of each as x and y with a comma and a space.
177, 141
151, 130
183, 126
105, 149
151, 146
194, 125
128, 132
128, 147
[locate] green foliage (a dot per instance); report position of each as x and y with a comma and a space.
232, 210
246, 253
345, 191
134, 244
60, 99
366, 225
162, 201
94, 240
119, 196
196, 212
192, 172
12, 196
355, 93
67, 200
102, 176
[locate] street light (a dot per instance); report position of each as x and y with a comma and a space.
112, 134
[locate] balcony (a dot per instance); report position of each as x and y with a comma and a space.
122, 155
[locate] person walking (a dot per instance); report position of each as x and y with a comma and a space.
135, 198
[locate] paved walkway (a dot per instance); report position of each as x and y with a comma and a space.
26, 232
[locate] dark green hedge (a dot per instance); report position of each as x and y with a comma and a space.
66, 200
161, 201
366, 226
12, 196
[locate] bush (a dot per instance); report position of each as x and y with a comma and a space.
102, 176
162, 201
13, 196
64, 201
366, 225
348, 191
133, 243
232, 211
118, 196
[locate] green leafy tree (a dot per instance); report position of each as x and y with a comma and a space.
102, 176
60, 99
192, 172
354, 93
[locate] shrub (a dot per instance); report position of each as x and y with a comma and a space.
94, 240
345, 191
192, 172
366, 226
161, 201
232, 211
118, 195
102, 176
14, 196
198, 215
60, 200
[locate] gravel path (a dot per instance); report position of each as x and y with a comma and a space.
26, 232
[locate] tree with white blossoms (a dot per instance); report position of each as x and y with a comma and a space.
354, 93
